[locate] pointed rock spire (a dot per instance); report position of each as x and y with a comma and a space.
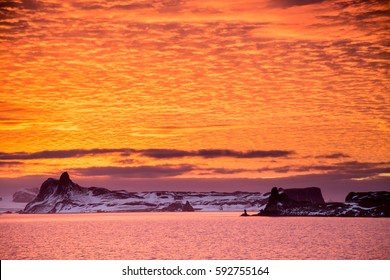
187, 207
65, 185
65, 179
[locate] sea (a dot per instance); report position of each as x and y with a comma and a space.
191, 236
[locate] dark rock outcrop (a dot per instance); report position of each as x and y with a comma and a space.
292, 201
178, 207
312, 195
25, 195
187, 207
309, 202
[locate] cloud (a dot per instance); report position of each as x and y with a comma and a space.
9, 4
293, 3
58, 154
106, 6
357, 169
9, 163
26, 4
213, 153
31, 4
349, 169
360, 3
88, 6
334, 156
165, 153
225, 171
160, 171
359, 165
133, 6
151, 153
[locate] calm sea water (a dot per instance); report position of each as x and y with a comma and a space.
191, 236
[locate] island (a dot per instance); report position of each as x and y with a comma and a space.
309, 202
64, 196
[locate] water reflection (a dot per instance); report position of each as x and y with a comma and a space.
191, 236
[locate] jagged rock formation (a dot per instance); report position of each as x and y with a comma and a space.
64, 196
306, 202
187, 207
25, 195
56, 196
178, 207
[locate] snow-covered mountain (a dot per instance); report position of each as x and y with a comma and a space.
64, 196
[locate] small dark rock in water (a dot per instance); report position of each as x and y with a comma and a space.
187, 207
178, 207
244, 214
1, 198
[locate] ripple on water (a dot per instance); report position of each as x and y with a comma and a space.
191, 236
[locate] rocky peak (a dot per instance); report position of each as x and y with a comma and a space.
65, 179
65, 185
178, 207
187, 207
61, 187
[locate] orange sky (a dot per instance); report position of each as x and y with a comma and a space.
285, 92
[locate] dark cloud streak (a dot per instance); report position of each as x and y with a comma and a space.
151, 153
135, 171
57, 154
292, 3
10, 163
212, 153
334, 156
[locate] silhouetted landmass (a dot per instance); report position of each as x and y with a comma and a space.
64, 196
308, 202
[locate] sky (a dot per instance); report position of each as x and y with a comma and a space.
210, 95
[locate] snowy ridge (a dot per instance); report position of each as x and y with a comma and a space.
64, 196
